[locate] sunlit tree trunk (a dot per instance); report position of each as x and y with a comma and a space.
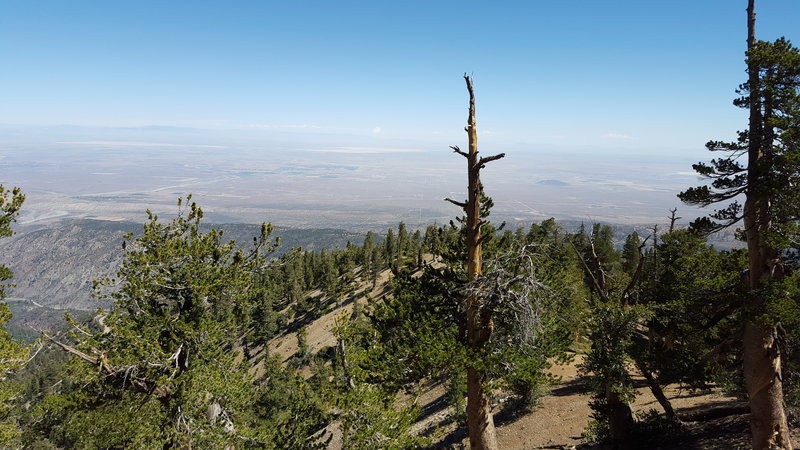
479, 317
762, 361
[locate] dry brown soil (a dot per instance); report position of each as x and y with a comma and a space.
711, 420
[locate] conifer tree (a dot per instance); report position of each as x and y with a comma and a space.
166, 349
390, 247
769, 182
630, 253
366, 253
12, 353
402, 242
611, 323
10, 203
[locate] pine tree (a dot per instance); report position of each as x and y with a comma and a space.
488, 312
769, 182
630, 253
366, 253
402, 242
165, 350
12, 353
694, 302
612, 321
390, 248
10, 203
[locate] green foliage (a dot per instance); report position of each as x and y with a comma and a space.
12, 357
166, 349
290, 413
408, 352
10, 203
418, 333
694, 292
607, 369
390, 248
370, 414
612, 322
370, 419
631, 254
603, 240
775, 175
783, 306
12, 353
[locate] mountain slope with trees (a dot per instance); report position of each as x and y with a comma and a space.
435, 336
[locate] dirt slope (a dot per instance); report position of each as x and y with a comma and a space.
711, 419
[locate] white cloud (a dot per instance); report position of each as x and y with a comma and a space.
376, 130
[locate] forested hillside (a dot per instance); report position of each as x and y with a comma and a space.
181, 334
373, 326
54, 266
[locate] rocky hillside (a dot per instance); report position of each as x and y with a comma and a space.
54, 266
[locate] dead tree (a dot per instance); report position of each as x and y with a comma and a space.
479, 315
673, 217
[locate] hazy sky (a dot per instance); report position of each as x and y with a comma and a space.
643, 76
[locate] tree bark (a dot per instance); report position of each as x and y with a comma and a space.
658, 393
620, 419
479, 322
762, 369
480, 421
762, 362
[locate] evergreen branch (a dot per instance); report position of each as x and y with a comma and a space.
704, 196
143, 385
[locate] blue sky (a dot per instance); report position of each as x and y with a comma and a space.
638, 76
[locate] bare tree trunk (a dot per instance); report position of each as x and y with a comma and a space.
479, 322
658, 393
762, 361
479, 317
673, 217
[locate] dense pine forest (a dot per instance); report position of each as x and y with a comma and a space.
211, 343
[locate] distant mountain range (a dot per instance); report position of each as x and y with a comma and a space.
552, 183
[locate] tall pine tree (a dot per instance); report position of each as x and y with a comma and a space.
769, 182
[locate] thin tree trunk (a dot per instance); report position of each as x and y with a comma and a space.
762, 363
479, 322
658, 393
